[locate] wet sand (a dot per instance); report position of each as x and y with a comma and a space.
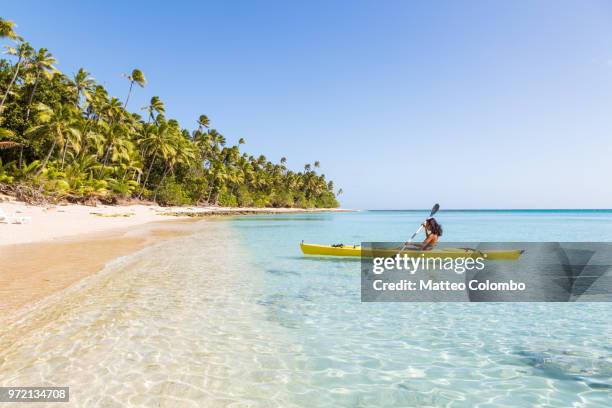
30, 272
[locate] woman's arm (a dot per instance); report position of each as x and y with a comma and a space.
429, 242
416, 244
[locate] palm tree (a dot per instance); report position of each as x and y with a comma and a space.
283, 160
116, 137
136, 77
56, 124
22, 51
235, 177
317, 164
42, 64
112, 111
217, 138
72, 140
183, 153
203, 122
241, 141
83, 84
95, 103
7, 29
155, 106
159, 140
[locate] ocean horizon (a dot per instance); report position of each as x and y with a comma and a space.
500, 210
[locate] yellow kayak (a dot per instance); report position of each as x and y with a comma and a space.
356, 251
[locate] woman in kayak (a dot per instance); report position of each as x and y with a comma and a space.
433, 232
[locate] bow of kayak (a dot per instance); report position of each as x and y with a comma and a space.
356, 251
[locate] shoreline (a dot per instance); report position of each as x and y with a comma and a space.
51, 222
64, 244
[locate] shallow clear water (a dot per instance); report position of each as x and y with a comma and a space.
455, 354
235, 315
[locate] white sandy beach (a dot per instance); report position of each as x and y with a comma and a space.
59, 221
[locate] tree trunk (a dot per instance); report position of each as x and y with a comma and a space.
128, 97
17, 66
20, 155
30, 99
210, 190
84, 139
64, 154
107, 154
160, 183
148, 173
44, 164
105, 161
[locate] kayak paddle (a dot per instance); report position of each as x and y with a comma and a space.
434, 210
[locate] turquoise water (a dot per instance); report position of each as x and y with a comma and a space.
431, 354
235, 315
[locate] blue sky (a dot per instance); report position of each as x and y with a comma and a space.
405, 103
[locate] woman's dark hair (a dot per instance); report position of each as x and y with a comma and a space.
434, 227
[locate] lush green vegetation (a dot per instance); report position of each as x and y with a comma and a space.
66, 138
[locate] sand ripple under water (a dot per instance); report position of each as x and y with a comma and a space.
171, 326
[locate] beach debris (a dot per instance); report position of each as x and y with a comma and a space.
112, 215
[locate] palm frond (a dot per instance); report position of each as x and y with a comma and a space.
6, 133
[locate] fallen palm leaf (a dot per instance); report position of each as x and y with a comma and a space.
8, 145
